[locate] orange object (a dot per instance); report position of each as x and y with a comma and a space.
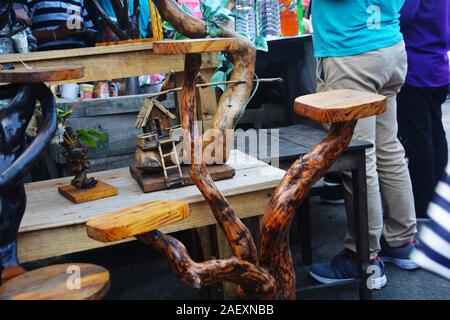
289, 17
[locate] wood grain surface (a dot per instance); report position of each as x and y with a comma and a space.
41, 74
136, 220
59, 282
340, 105
177, 47
76, 195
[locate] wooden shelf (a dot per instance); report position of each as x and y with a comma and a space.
177, 47
106, 62
44, 74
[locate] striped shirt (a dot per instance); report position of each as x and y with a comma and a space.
433, 252
50, 14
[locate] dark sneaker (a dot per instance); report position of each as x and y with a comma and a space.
398, 255
333, 189
343, 268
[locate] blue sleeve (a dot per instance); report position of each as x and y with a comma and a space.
409, 11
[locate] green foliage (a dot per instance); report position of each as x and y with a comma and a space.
90, 137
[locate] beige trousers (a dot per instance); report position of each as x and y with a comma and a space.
388, 183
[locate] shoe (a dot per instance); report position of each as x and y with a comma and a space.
333, 189
343, 267
398, 256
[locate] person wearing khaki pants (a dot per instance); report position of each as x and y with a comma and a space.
379, 70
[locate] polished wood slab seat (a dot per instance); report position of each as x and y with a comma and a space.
41, 74
137, 220
340, 105
178, 47
59, 282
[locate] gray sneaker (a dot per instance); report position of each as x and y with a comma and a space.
398, 256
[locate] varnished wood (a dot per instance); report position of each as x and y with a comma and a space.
42, 74
10, 273
55, 283
340, 105
178, 47
105, 62
154, 182
77, 195
136, 220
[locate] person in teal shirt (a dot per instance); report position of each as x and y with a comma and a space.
144, 17
359, 46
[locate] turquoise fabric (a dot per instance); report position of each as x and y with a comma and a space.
351, 27
144, 17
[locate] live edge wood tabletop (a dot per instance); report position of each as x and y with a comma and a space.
52, 225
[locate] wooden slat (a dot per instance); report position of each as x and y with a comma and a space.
177, 47
44, 74
340, 105
136, 220
52, 283
109, 62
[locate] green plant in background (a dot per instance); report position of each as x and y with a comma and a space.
214, 12
89, 137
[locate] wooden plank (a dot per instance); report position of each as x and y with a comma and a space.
339, 105
109, 62
136, 220
44, 74
156, 181
76, 195
51, 283
51, 242
178, 47
208, 101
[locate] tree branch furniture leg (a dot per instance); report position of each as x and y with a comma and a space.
266, 273
17, 161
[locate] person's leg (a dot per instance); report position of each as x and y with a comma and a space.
395, 183
415, 132
438, 133
361, 72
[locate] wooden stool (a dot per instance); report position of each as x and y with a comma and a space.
70, 281
137, 220
342, 108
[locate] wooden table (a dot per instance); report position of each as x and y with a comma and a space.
54, 226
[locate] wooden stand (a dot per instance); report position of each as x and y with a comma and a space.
150, 182
76, 195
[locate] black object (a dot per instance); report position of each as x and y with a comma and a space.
423, 136
17, 159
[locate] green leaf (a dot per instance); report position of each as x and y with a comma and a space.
230, 68
219, 76
97, 134
166, 25
85, 138
186, 8
179, 36
261, 43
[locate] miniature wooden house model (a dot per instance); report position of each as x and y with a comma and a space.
156, 144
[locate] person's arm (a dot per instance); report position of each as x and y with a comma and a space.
60, 33
409, 11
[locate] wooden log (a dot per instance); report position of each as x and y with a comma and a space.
136, 220
71, 281
340, 105
42, 74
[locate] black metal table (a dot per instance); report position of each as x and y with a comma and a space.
297, 140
